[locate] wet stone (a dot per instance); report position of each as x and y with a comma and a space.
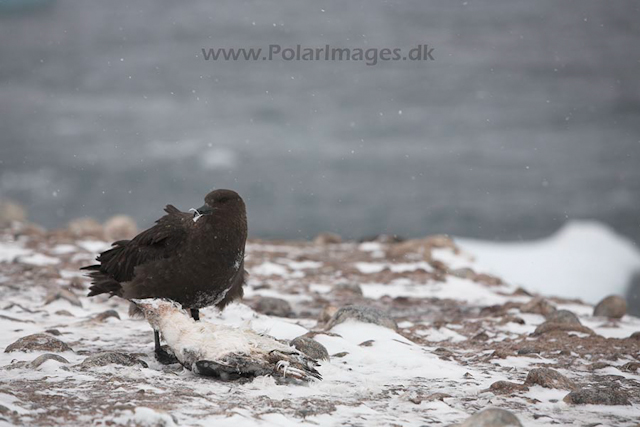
549, 378
273, 307
563, 316
612, 306
38, 342
492, 417
597, 397
111, 358
362, 314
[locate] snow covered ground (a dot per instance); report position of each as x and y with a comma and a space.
583, 259
459, 334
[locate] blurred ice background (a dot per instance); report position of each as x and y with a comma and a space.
527, 119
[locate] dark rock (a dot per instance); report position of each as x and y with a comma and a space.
563, 316
566, 327
38, 342
101, 317
506, 387
597, 397
482, 336
64, 313
632, 367
339, 355
109, 358
362, 314
367, 343
511, 319
612, 306
54, 332
273, 307
310, 347
528, 350
635, 336
549, 378
538, 305
47, 356
492, 417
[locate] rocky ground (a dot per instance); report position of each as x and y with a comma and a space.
415, 336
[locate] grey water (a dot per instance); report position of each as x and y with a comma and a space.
528, 116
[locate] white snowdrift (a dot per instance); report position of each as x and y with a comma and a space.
584, 259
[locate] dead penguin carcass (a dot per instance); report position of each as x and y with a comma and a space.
225, 352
